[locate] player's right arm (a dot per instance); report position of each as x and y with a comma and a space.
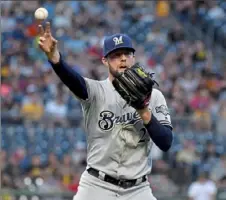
73, 80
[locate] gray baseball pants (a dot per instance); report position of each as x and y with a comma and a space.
92, 188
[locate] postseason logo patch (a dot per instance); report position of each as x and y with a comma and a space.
162, 109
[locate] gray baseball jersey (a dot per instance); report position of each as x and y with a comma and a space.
117, 142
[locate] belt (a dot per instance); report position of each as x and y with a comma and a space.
118, 182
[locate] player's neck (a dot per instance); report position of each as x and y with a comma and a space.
110, 77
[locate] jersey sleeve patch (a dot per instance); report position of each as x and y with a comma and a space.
162, 109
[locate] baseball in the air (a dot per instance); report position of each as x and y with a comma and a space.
41, 14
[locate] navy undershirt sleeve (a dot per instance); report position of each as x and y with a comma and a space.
72, 79
161, 135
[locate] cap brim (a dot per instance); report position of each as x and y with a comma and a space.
117, 48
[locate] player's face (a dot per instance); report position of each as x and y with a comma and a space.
119, 60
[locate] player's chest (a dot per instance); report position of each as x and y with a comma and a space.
115, 112
118, 120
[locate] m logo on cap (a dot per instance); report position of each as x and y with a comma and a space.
118, 40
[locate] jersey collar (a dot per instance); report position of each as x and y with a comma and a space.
110, 84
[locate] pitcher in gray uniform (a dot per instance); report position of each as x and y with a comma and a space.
119, 138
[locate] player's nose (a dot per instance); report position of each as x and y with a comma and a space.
123, 57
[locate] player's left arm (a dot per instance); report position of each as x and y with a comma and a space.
158, 123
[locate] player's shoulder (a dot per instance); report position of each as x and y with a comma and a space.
95, 89
156, 93
93, 82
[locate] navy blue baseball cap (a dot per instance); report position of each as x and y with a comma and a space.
117, 41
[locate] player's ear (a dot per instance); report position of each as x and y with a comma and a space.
104, 61
134, 60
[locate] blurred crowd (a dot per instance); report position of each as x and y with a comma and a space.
207, 15
52, 176
35, 102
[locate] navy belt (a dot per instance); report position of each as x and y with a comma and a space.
118, 182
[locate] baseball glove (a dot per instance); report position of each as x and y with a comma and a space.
135, 86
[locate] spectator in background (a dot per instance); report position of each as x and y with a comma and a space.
187, 155
203, 188
176, 34
162, 8
200, 53
183, 7
36, 167
200, 103
48, 182
209, 156
5, 179
218, 172
6, 88
3, 161
52, 167
56, 111
221, 119
200, 99
12, 171
66, 171
11, 108
22, 155
188, 83
200, 56
185, 160
32, 107
215, 12
79, 154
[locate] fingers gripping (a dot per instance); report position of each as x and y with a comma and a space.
41, 30
46, 42
46, 32
41, 35
48, 29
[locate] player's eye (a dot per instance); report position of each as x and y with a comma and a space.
119, 54
115, 55
128, 53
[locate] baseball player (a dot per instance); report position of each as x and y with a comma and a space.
123, 117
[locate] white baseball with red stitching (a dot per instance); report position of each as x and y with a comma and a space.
41, 14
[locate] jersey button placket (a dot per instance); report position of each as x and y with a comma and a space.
123, 149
